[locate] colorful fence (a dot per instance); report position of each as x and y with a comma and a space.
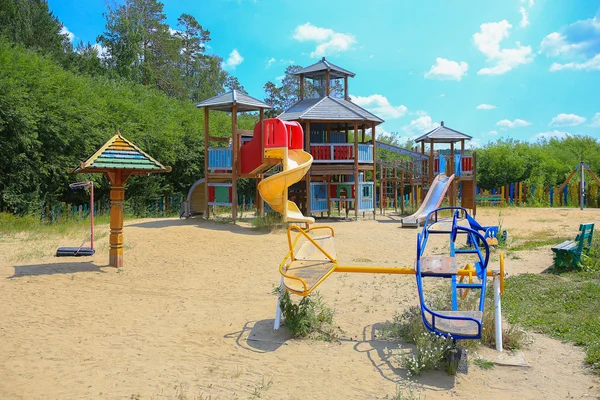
521, 193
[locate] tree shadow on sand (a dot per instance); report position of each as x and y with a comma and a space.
225, 226
260, 337
379, 353
52, 269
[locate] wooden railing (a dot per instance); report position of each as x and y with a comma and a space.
340, 152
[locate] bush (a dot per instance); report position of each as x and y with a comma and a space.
309, 318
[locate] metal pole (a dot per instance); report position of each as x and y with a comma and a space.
92, 213
497, 311
582, 191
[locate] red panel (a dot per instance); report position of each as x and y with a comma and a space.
436, 165
211, 194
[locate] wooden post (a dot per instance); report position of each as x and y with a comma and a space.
374, 140
431, 162
235, 159
452, 169
423, 165
356, 185
328, 133
117, 197
307, 178
395, 188
301, 94
474, 184
328, 196
363, 134
206, 144
327, 83
346, 95
402, 191
260, 204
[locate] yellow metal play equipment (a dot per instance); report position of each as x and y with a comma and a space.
312, 258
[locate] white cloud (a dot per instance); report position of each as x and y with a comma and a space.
595, 122
592, 64
419, 126
492, 133
102, 51
443, 95
380, 105
578, 42
234, 59
488, 42
67, 33
279, 78
485, 107
524, 17
447, 69
517, 123
270, 62
531, 2
328, 41
567, 120
552, 134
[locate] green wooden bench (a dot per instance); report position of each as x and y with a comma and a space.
569, 252
491, 199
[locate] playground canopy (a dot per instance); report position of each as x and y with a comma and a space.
443, 134
118, 159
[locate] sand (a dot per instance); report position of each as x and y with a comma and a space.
174, 322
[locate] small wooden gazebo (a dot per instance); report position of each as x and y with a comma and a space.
444, 135
118, 159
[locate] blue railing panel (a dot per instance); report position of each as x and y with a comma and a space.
365, 153
365, 196
318, 198
219, 158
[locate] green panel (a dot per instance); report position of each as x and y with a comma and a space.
348, 190
222, 194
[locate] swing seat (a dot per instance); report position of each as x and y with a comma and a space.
465, 326
311, 266
438, 266
312, 273
74, 252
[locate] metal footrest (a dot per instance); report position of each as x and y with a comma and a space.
456, 327
310, 272
438, 266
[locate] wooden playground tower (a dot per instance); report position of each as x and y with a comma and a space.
335, 135
419, 172
222, 164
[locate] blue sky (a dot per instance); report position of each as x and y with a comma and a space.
514, 68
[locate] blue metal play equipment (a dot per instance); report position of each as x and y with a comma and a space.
454, 323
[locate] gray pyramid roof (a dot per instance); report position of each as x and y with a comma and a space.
328, 109
443, 134
319, 68
225, 102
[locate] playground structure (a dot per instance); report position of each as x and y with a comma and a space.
81, 251
118, 160
436, 193
344, 154
312, 258
418, 171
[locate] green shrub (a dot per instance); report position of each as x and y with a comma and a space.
310, 317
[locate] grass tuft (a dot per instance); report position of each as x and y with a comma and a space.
309, 318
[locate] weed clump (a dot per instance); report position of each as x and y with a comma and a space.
309, 318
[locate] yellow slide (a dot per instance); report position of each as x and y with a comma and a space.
273, 189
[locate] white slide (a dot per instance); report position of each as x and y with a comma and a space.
433, 200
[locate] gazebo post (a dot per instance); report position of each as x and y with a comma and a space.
234, 162
356, 185
206, 144
373, 133
260, 205
307, 178
452, 169
431, 161
117, 197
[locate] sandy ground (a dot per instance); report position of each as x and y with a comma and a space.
173, 322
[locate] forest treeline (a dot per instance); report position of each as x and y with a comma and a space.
60, 101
